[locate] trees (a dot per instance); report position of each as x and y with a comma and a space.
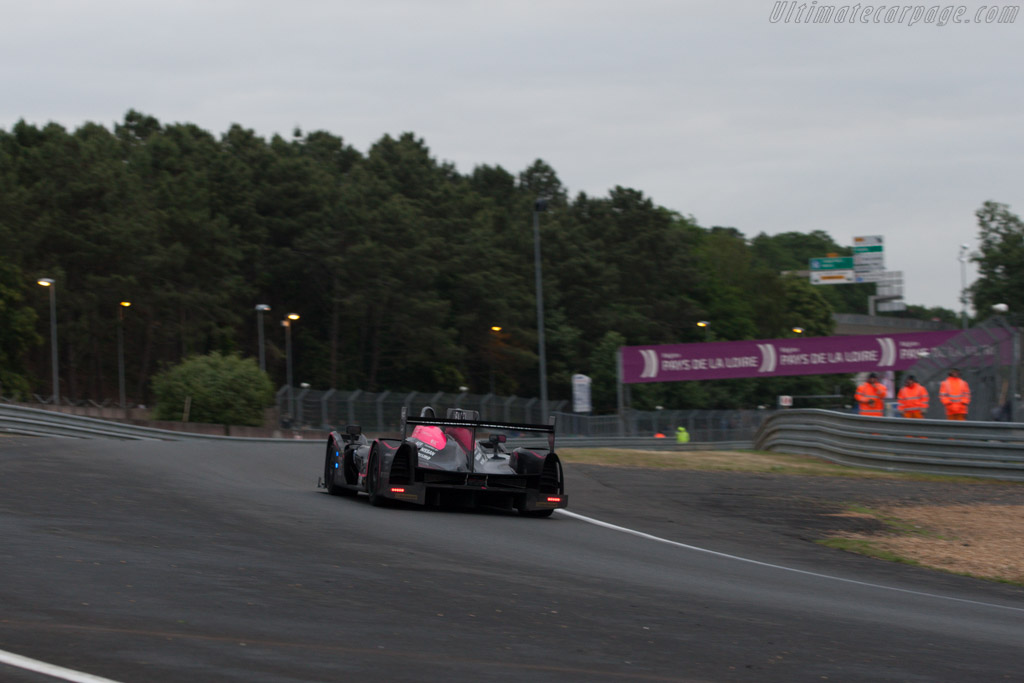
933, 314
792, 251
1000, 258
398, 264
804, 306
17, 332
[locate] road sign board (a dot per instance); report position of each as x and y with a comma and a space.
867, 241
868, 257
889, 288
881, 276
581, 394
865, 263
832, 277
832, 263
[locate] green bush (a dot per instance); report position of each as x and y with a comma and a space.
225, 389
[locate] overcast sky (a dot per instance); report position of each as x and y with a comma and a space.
720, 110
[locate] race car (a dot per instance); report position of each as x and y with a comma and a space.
449, 461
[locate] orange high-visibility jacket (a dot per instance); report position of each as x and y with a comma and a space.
955, 395
870, 396
913, 398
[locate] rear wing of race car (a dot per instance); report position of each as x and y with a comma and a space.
470, 419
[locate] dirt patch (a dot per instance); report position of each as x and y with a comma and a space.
981, 540
955, 524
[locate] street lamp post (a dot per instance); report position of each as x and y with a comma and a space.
964, 248
52, 286
495, 329
706, 326
798, 330
260, 310
541, 204
120, 352
287, 324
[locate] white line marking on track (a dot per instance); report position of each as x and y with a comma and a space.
52, 670
640, 534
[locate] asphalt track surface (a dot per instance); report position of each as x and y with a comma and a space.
157, 562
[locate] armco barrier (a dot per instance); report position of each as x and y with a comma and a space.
35, 422
981, 449
976, 449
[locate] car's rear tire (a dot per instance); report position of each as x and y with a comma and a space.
373, 478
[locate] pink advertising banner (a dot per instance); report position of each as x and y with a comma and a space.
779, 357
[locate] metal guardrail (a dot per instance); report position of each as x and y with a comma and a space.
975, 449
36, 422
980, 449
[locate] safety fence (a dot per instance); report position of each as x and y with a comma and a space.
381, 413
988, 358
978, 449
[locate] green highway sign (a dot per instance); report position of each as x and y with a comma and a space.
868, 258
832, 263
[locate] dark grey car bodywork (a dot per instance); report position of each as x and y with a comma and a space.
455, 460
